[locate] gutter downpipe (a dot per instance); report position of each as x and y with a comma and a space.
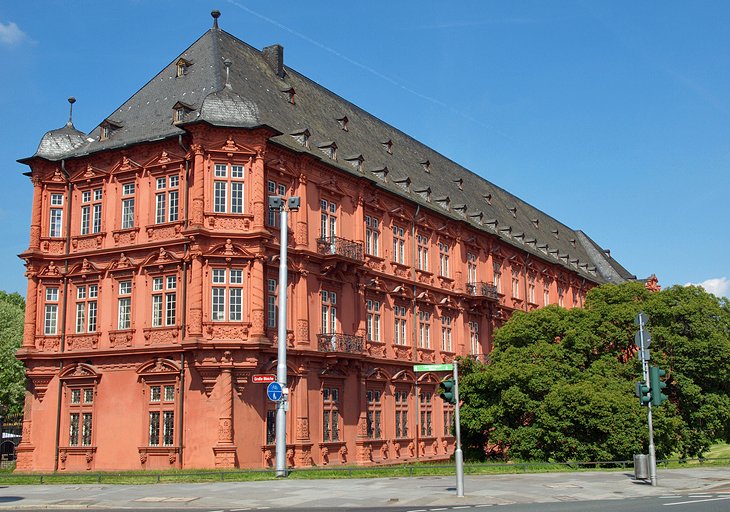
524, 272
415, 326
64, 306
183, 318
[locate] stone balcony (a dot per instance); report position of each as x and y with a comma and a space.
482, 290
341, 247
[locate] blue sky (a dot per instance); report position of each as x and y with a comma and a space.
612, 116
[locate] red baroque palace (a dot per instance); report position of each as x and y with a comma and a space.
153, 275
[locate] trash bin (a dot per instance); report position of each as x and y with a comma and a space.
641, 467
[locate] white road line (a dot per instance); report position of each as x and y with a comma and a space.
239, 509
435, 509
418, 510
463, 506
696, 501
700, 496
670, 496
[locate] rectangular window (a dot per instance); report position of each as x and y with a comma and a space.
128, 206
471, 268
124, 318
231, 294
96, 224
55, 229
426, 417
73, 434
160, 208
270, 426
219, 197
516, 284
168, 428
154, 428
328, 217
531, 289
330, 415
497, 269
474, 337
401, 414
424, 329
221, 170
561, 296
329, 312
443, 260
170, 308
56, 199
374, 414
446, 333
157, 310
85, 219
50, 325
373, 320
236, 197
422, 252
271, 307
400, 328
275, 189
399, 244
372, 236
174, 206
86, 429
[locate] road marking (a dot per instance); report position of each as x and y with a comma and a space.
418, 510
443, 508
700, 496
696, 501
239, 509
669, 496
463, 506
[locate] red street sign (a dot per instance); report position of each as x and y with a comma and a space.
264, 378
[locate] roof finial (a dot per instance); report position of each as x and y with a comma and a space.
227, 63
216, 14
71, 101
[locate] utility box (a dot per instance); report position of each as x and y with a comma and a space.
641, 467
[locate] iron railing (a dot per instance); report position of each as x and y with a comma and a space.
336, 342
336, 246
482, 290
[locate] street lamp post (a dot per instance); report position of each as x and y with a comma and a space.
291, 204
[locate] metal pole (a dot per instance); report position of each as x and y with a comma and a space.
281, 407
645, 369
458, 455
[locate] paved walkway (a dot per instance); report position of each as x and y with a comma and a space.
376, 492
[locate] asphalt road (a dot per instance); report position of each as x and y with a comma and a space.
687, 489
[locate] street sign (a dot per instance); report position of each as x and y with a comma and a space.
644, 355
274, 391
641, 319
433, 367
263, 378
647, 339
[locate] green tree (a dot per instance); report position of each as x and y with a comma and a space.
12, 376
560, 383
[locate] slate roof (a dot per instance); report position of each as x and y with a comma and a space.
252, 94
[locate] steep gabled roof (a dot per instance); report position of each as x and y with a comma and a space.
229, 83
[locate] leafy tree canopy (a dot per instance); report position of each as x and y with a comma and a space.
12, 377
560, 383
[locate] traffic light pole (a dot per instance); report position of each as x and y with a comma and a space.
645, 370
458, 455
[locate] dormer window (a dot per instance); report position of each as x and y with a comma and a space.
513, 211
388, 146
343, 122
404, 183
107, 129
459, 183
443, 202
290, 93
381, 172
356, 161
179, 111
426, 165
477, 217
329, 148
182, 68
424, 193
460, 209
302, 137
488, 198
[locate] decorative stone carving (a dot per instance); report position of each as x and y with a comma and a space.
376, 349
290, 457
236, 332
303, 428
228, 223
343, 454
48, 343
325, 456
161, 335
119, 339
268, 457
82, 341
426, 356
163, 232
422, 447
384, 451
302, 334
403, 353
411, 449
301, 236
396, 450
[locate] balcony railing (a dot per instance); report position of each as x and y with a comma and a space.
334, 245
336, 342
486, 290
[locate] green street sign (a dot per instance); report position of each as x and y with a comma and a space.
433, 367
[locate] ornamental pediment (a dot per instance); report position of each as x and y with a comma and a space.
84, 269
164, 161
126, 165
123, 263
404, 376
161, 258
229, 250
377, 374
79, 371
158, 366
88, 174
50, 271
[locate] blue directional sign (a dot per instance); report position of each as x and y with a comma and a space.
274, 391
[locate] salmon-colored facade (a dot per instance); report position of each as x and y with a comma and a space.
153, 283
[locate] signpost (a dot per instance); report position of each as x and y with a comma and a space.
643, 340
274, 391
458, 454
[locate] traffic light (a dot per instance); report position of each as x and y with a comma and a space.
643, 393
446, 391
655, 374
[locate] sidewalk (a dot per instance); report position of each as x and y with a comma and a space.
376, 492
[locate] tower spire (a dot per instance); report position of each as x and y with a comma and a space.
71, 102
216, 14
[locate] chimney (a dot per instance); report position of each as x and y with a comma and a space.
274, 57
